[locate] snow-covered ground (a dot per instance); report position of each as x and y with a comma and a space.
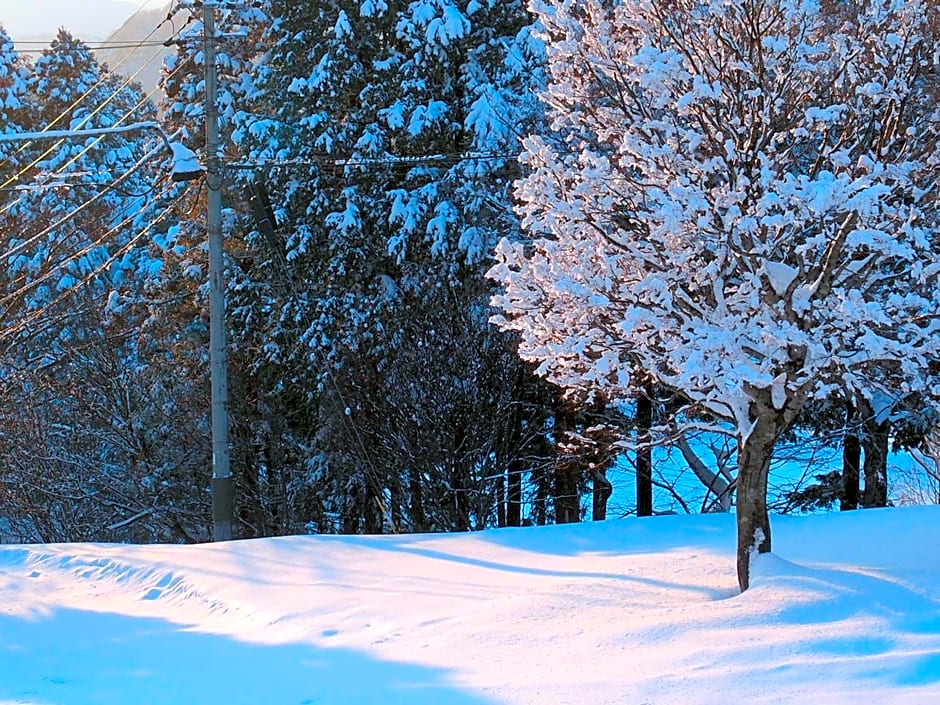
847, 610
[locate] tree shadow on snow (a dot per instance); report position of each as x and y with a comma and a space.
890, 628
416, 549
79, 657
630, 536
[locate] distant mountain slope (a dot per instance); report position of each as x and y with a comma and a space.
146, 62
38, 20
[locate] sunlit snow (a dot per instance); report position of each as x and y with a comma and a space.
847, 610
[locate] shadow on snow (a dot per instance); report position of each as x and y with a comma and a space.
78, 657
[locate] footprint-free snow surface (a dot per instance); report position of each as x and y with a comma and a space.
847, 610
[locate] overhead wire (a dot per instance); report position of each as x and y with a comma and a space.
107, 75
78, 209
110, 187
81, 153
94, 45
328, 160
24, 323
61, 169
91, 145
31, 284
104, 77
71, 258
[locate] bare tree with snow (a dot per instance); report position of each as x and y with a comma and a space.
737, 197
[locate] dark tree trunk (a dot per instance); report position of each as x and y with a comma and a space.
875, 443
501, 501
753, 521
373, 519
460, 480
602, 491
284, 516
395, 501
461, 517
567, 501
416, 508
644, 453
567, 469
514, 493
515, 468
851, 462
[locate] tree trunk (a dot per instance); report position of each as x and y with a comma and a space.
712, 481
644, 453
602, 491
515, 468
372, 516
514, 493
567, 501
851, 462
754, 456
875, 443
395, 500
501, 501
567, 468
542, 491
416, 506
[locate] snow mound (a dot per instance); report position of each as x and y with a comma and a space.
847, 610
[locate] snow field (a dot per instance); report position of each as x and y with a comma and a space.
847, 610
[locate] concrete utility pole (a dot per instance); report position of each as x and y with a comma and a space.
223, 491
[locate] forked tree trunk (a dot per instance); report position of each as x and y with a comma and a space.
754, 456
567, 468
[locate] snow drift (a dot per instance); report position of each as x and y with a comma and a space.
630, 611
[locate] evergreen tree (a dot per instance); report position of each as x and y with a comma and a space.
77, 214
12, 90
377, 145
385, 135
89, 439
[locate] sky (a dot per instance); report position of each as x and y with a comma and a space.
91, 19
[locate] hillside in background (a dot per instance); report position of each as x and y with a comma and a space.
846, 611
38, 20
146, 62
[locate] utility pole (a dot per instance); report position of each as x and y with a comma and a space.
223, 490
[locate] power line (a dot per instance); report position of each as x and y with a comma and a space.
84, 121
81, 153
26, 243
328, 160
75, 256
73, 184
127, 44
104, 77
23, 324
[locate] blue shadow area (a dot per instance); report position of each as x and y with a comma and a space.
843, 596
623, 537
411, 547
73, 657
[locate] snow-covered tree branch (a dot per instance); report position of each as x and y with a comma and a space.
737, 197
